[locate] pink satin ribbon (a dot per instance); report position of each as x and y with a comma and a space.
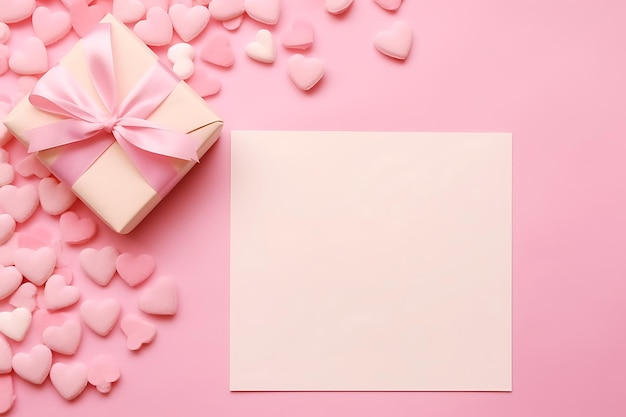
88, 130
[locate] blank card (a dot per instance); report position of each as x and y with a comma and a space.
370, 261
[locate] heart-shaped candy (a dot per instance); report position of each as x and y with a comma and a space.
100, 315
160, 298
7, 227
138, 332
14, 324
8, 249
180, 51
6, 355
233, 24
30, 165
337, 6
184, 68
7, 395
134, 269
264, 11
156, 29
226, 9
36, 265
103, 371
63, 339
69, 379
25, 297
217, 50
34, 366
13, 11
4, 67
5, 32
57, 294
305, 72
10, 281
99, 265
6, 173
51, 26
19, 202
395, 42
204, 84
128, 11
300, 36
55, 197
85, 17
262, 49
391, 5
189, 22
30, 57
74, 230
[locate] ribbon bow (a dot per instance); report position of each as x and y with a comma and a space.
147, 144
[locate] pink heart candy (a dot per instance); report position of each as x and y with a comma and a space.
233, 24
10, 281
19, 202
128, 11
160, 298
63, 339
217, 50
13, 11
8, 249
305, 72
5, 32
103, 371
156, 29
100, 315
30, 57
189, 22
51, 26
300, 36
4, 67
69, 379
7, 227
264, 11
42, 319
34, 366
395, 42
337, 6
36, 265
204, 85
6, 173
55, 197
6, 355
25, 297
138, 331
57, 294
85, 18
75, 230
391, 5
30, 165
134, 269
7, 395
99, 265
226, 9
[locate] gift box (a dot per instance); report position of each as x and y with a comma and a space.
114, 123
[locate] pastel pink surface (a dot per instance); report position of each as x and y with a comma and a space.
477, 66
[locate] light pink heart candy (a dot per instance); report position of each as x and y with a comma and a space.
30, 57
6, 356
103, 371
395, 42
10, 281
7, 227
4, 67
100, 315
264, 11
160, 298
226, 9
391, 5
30, 165
55, 197
34, 366
6, 173
69, 379
36, 265
233, 24
138, 332
25, 297
216, 50
300, 36
134, 269
204, 84
337, 6
5, 32
57, 294
75, 230
8, 249
19, 202
63, 339
85, 17
7, 395
189, 22
156, 29
13, 11
99, 265
51, 26
305, 72
128, 11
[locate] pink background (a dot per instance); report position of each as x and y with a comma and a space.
550, 72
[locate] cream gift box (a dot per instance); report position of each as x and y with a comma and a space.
112, 185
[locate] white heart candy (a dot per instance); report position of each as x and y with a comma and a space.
14, 324
262, 49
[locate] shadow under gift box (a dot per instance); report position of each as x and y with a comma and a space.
112, 186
